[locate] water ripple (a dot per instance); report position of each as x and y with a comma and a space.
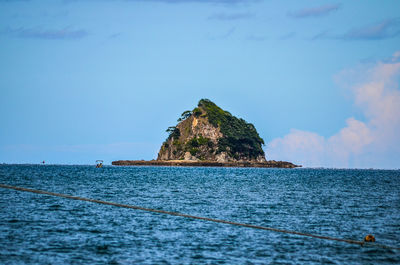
339, 203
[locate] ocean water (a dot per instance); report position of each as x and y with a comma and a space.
41, 229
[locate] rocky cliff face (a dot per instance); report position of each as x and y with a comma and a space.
208, 133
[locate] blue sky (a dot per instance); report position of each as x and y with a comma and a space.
84, 80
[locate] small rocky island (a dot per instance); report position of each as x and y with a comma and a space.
210, 136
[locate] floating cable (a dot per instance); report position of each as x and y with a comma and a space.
350, 241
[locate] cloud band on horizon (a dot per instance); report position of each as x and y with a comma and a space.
358, 144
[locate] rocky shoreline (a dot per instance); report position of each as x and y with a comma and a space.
186, 163
209, 136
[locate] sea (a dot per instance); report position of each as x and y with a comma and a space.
340, 203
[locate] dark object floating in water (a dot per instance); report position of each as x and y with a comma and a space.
369, 238
99, 163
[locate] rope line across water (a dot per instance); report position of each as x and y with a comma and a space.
361, 243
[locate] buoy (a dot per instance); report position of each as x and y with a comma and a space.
369, 238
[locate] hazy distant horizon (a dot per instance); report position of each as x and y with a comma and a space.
108, 164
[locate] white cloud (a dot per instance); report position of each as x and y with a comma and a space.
295, 144
374, 143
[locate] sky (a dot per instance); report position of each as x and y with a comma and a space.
82, 80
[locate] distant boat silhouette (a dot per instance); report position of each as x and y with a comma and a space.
99, 163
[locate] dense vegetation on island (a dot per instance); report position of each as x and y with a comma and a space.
211, 133
239, 137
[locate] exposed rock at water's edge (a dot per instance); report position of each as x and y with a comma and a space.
208, 133
210, 136
188, 163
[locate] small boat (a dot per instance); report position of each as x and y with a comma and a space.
99, 163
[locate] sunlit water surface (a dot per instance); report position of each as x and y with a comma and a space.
339, 203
